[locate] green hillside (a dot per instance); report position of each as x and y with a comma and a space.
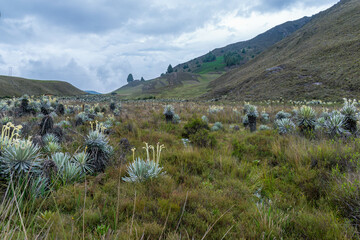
174, 85
247, 50
15, 86
321, 60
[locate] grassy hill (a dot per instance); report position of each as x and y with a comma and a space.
246, 49
321, 60
175, 85
15, 86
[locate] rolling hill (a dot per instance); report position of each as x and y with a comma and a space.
175, 85
319, 61
15, 86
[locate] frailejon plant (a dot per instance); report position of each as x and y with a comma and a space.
217, 126
84, 162
169, 113
252, 114
245, 120
143, 170
49, 137
20, 158
52, 147
98, 148
349, 111
176, 119
264, 127
205, 119
284, 126
306, 118
281, 115
9, 133
264, 117
67, 170
334, 125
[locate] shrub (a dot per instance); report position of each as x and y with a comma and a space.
345, 195
202, 138
193, 126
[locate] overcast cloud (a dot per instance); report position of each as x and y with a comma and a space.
95, 44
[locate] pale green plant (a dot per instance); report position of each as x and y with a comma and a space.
142, 170
334, 125
306, 118
284, 126
83, 160
20, 158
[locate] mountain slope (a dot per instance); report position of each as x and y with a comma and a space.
192, 81
246, 49
321, 60
14, 86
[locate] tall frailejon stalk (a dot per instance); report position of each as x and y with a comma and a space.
252, 114
142, 170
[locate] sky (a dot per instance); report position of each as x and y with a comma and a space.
95, 44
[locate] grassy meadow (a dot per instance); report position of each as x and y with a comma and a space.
215, 179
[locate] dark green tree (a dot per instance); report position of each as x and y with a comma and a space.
210, 57
232, 58
130, 78
142, 79
170, 69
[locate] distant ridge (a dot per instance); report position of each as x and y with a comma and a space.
92, 92
15, 86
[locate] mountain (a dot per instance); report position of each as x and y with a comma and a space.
319, 61
92, 92
15, 86
190, 79
246, 50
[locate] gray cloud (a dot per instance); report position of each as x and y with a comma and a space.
96, 44
276, 5
2, 62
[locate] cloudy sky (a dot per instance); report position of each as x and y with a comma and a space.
95, 44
